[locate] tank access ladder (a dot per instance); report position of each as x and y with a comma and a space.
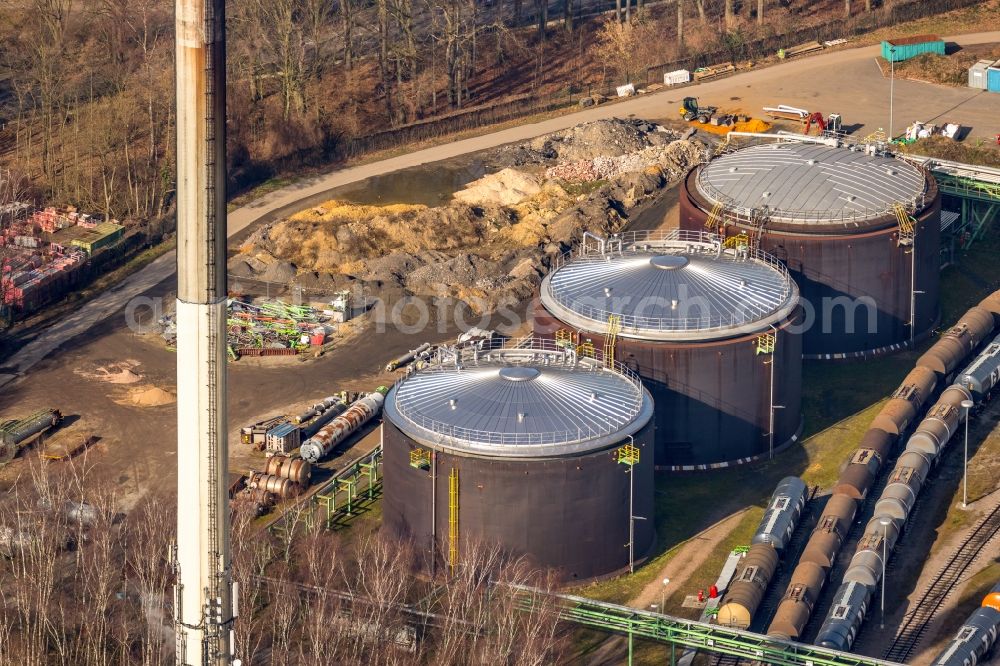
907, 225
614, 325
715, 217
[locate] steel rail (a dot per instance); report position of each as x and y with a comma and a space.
916, 622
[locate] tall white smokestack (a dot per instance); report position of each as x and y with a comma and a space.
203, 610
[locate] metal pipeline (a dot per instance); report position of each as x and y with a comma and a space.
402, 360
313, 426
318, 408
34, 424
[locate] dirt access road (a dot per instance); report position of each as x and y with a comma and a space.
845, 81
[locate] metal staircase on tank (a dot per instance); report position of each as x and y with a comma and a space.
564, 339
614, 325
765, 343
907, 225
734, 242
759, 217
420, 459
715, 217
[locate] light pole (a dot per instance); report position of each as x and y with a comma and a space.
967, 405
884, 522
629, 455
892, 82
770, 426
663, 596
631, 519
913, 285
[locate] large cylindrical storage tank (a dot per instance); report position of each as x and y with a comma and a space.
830, 214
533, 448
710, 329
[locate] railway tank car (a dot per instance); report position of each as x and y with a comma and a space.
757, 569
894, 506
976, 637
935, 366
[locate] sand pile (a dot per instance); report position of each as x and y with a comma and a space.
122, 372
338, 237
148, 396
494, 239
612, 137
506, 187
603, 138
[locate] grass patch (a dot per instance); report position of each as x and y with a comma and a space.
258, 191
972, 152
949, 70
973, 18
578, 189
828, 449
974, 276
709, 571
133, 265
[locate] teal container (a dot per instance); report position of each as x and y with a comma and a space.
904, 48
993, 78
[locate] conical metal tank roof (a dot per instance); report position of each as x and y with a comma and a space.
532, 400
674, 286
810, 187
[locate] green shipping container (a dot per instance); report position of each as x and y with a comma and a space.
104, 235
904, 48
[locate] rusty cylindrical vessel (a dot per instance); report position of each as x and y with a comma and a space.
295, 469
532, 448
282, 487
851, 227
329, 436
711, 330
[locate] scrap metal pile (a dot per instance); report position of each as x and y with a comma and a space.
268, 328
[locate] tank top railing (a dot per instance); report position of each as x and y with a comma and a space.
522, 351
734, 211
685, 242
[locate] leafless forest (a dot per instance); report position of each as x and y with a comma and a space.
83, 583
86, 85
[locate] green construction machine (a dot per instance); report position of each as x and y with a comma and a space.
691, 110
15, 434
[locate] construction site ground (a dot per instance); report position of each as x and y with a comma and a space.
59, 364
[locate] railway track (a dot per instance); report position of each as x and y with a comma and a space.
915, 623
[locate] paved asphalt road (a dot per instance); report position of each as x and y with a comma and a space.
847, 82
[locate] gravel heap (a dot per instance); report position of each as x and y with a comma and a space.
607, 138
491, 244
674, 158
